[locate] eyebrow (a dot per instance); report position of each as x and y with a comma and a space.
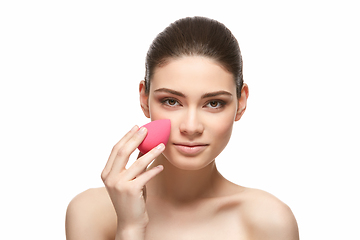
206, 95
217, 93
170, 91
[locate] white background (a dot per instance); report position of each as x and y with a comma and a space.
69, 74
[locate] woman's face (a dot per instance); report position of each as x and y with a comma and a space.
199, 97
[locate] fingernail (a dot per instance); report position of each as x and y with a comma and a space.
160, 146
134, 128
142, 130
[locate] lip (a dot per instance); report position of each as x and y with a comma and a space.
190, 148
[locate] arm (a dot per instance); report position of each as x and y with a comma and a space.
125, 186
87, 214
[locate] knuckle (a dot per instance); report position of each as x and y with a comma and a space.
138, 163
104, 175
137, 138
122, 152
110, 182
141, 164
115, 148
107, 182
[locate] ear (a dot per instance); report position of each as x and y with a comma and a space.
242, 102
144, 99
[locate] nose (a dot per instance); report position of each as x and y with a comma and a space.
191, 124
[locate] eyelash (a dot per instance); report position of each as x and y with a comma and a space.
219, 102
165, 101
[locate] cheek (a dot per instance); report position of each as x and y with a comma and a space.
225, 128
222, 130
157, 112
222, 122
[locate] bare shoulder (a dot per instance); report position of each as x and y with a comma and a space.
267, 217
90, 215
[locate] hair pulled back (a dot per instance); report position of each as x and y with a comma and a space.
196, 36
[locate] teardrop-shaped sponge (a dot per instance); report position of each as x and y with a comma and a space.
158, 131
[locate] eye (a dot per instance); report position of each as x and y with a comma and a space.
171, 102
215, 104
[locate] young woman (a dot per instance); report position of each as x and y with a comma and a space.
194, 78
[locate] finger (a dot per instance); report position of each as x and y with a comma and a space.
139, 156
123, 154
138, 167
116, 148
144, 178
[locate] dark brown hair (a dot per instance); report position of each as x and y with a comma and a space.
196, 36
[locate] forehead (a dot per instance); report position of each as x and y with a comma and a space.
193, 74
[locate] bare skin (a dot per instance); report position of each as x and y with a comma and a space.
187, 198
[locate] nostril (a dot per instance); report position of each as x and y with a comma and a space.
191, 129
191, 124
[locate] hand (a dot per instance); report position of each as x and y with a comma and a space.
125, 186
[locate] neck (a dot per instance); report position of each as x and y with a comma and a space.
183, 186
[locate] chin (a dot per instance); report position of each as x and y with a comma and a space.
188, 163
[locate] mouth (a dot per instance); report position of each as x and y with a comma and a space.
190, 148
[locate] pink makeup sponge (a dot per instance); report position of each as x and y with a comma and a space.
157, 132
